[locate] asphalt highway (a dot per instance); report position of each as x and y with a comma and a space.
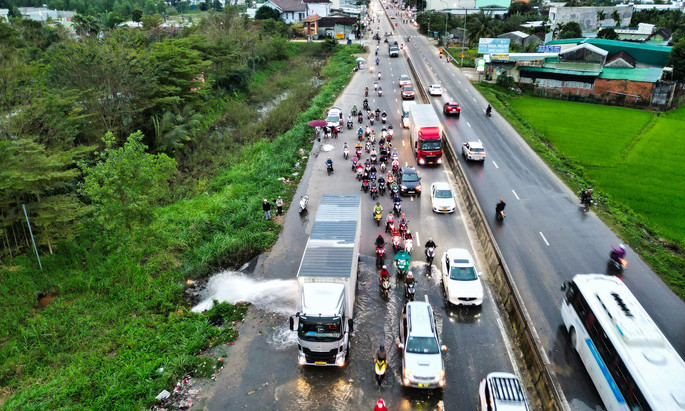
265, 374
546, 238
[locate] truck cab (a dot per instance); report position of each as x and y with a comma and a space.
324, 336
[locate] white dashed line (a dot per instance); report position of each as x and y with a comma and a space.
468, 124
543, 238
496, 166
515, 195
418, 240
403, 144
475, 100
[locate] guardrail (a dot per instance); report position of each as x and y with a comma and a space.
543, 382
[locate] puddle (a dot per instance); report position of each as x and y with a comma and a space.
278, 296
44, 300
282, 338
327, 147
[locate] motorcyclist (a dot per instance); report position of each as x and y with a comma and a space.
390, 221
380, 241
385, 274
397, 199
381, 355
384, 115
373, 152
381, 180
375, 86
488, 110
354, 109
402, 256
409, 281
431, 243
380, 405
346, 147
379, 75
618, 253
366, 91
366, 101
367, 132
380, 90
378, 208
500, 206
378, 112
586, 195
329, 163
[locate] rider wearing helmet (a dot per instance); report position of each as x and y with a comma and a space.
380, 241
380, 405
500, 206
431, 243
619, 252
409, 280
329, 163
385, 274
377, 209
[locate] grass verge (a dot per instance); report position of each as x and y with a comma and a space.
632, 157
118, 331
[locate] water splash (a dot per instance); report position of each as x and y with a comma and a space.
279, 296
282, 338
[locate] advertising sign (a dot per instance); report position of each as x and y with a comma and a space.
549, 49
339, 35
500, 57
489, 46
480, 65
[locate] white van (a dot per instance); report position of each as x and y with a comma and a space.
422, 365
405, 112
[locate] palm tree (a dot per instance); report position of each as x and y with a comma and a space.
616, 17
601, 15
481, 25
173, 130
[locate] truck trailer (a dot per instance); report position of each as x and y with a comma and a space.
327, 279
425, 134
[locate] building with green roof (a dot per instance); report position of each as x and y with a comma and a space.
644, 54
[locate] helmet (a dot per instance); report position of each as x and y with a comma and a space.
402, 214
385, 267
378, 203
410, 275
430, 238
382, 347
380, 405
622, 246
501, 199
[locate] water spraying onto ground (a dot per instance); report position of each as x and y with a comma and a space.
279, 296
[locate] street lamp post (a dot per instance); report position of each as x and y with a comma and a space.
463, 39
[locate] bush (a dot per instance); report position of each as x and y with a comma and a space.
505, 81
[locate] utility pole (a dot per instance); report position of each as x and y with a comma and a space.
463, 39
23, 206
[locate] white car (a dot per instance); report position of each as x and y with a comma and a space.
405, 80
460, 279
442, 198
473, 150
333, 117
435, 90
501, 391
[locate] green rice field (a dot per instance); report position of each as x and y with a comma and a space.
635, 157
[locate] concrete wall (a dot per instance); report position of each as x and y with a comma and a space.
587, 16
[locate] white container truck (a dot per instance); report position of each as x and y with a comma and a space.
327, 279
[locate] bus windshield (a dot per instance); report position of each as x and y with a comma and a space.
320, 328
430, 145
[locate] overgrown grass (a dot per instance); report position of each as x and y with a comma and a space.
470, 56
632, 158
119, 332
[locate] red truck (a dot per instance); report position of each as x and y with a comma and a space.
426, 134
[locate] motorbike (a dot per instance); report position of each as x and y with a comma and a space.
395, 169
380, 256
372, 175
396, 237
382, 365
397, 208
360, 134
381, 188
403, 229
585, 198
346, 152
430, 255
499, 215
402, 266
366, 93
304, 201
374, 194
380, 92
365, 186
384, 118
329, 168
383, 167
367, 147
374, 158
360, 118
355, 161
408, 244
358, 152
354, 111
366, 106
617, 264
389, 136
371, 120
390, 226
350, 124
410, 291
377, 216
360, 172
488, 112
394, 189
372, 137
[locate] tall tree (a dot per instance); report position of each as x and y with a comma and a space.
607, 33
127, 183
570, 30
676, 59
481, 25
616, 17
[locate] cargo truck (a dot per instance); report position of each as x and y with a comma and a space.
425, 134
326, 280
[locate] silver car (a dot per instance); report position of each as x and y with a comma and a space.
422, 365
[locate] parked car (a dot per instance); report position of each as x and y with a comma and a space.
405, 80
460, 280
442, 198
473, 150
409, 181
451, 108
435, 90
408, 93
501, 391
422, 364
333, 116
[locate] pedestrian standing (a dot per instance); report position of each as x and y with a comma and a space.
279, 205
267, 209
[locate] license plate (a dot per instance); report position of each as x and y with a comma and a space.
320, 363
423, 385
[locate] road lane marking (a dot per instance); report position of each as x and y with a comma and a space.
475, 100
469, 124
403, 145
515, 195
543, 238
418, 240
493, 162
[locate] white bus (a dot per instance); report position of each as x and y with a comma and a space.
631, 363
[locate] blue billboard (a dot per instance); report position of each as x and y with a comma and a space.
489, 46
549, 49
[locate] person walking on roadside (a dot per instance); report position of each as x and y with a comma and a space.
267, 209
279, 205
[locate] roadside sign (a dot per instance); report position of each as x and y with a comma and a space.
489, 46
549, 49
500, 56
480, 65
339, 35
